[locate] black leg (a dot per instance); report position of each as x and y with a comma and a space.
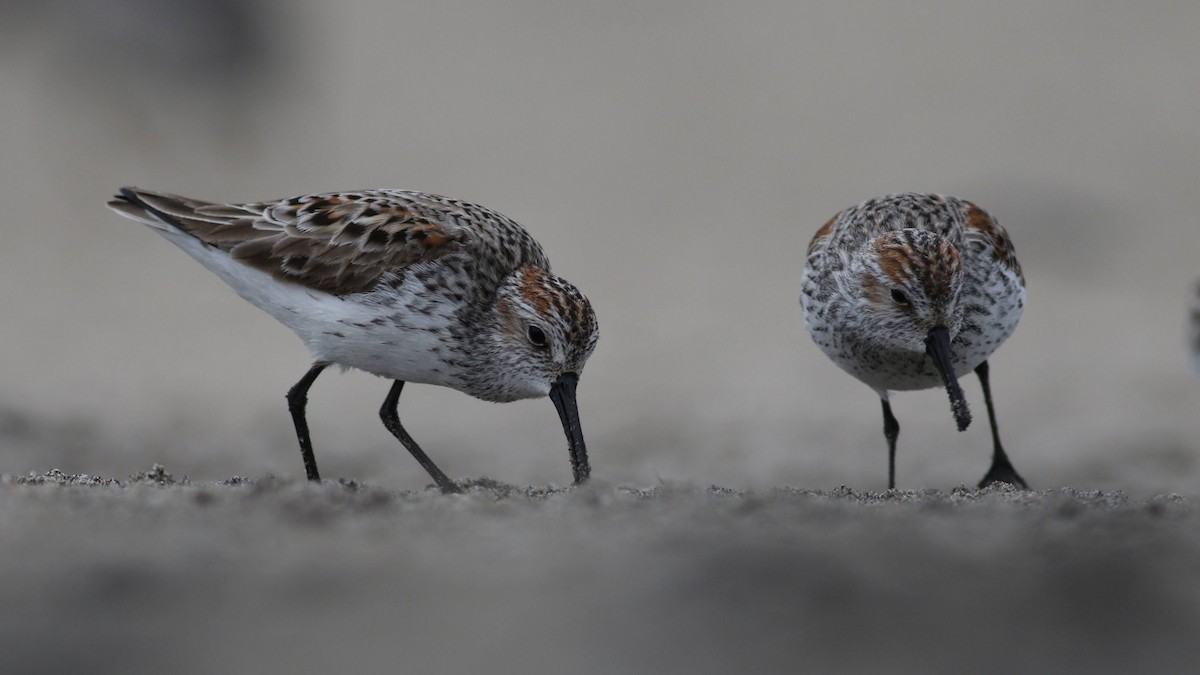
891, 431
297, 398
1002, 470
390, 414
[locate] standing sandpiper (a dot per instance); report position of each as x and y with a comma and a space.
912, 291
1194, 328
405, 285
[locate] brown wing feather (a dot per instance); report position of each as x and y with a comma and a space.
339, 243
822, 233
980, 223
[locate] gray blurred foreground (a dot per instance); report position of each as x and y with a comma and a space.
157, 575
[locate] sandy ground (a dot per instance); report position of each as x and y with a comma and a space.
155, 574
674, 158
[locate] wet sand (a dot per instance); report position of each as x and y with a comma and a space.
157, 574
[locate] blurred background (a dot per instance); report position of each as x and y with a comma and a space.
673, 158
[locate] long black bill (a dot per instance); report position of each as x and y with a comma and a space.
937, 346
562, 392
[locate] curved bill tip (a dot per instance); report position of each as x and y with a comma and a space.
937, 346
562, 392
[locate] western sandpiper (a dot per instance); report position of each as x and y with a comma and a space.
1194, 327
912, 291
405, 285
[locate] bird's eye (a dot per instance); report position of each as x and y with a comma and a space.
537, 336
899, 297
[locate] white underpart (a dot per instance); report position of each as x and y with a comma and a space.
335, 329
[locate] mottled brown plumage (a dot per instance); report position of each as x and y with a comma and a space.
406, 285
911, 291
339, 243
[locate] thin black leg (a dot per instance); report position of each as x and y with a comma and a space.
1002, 470
390, 414
891, 431
297, 398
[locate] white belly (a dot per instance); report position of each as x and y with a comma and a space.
338, 329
